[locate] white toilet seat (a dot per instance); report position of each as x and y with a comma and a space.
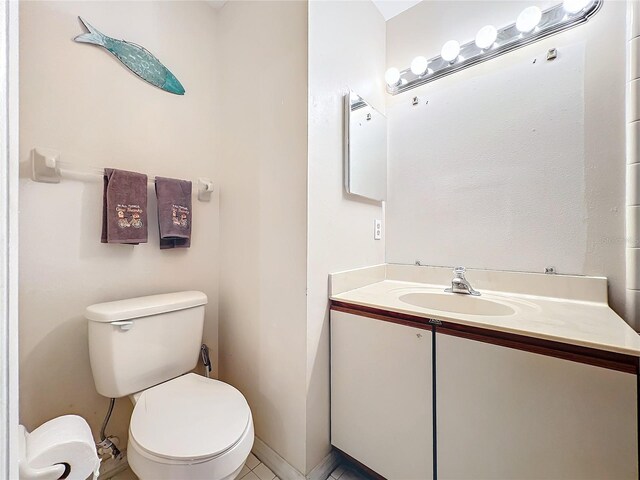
226, 466
190, 427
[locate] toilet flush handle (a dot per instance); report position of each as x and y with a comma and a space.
124, 325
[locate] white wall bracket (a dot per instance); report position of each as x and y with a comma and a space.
44, 165
205, 189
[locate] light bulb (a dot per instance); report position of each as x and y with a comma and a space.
419, 66
528, 19
486, 36
574, 6
450, 51
392, 77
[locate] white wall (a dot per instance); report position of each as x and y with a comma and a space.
346, 50
78, 99
512, 164
9, 372
262, 171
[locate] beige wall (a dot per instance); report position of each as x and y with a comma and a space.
243, 123
513, 165
346, 50
78, 99
274, 345
262, 172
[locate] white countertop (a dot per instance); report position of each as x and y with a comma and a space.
568, 320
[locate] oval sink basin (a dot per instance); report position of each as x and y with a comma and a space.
457, 303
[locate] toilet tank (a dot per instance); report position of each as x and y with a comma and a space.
140, 342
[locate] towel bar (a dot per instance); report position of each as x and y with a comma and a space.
46, 168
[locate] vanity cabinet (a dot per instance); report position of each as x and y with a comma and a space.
504, 413
381, 395
506, 406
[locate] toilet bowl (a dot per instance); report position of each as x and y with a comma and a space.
184, 426
190, 427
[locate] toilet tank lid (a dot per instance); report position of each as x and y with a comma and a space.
144, 306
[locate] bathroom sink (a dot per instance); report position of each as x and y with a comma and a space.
457, 303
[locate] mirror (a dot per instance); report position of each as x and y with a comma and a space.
365, 149
489, 171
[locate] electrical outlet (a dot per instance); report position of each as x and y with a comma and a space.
377, 229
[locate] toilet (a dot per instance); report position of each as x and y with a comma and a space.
183, 425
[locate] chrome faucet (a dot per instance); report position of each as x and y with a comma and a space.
459, 284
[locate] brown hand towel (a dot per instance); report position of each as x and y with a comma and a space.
174, 212
124, 207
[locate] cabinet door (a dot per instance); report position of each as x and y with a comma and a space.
381, 395
507, 414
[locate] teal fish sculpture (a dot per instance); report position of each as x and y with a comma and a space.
136, 58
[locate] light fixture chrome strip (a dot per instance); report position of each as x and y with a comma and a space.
553, 20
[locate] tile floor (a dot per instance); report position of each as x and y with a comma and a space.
254, 469
346, 471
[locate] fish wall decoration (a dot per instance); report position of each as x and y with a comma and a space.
136, 58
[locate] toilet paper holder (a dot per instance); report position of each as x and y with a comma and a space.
54, 472
60, 448
50, 472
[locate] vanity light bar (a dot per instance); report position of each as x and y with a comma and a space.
532, 25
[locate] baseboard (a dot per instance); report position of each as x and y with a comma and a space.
285, 471
325, 467
278, 465
111, 467
275, 462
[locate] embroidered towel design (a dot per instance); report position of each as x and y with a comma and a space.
174, 212
124, 207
